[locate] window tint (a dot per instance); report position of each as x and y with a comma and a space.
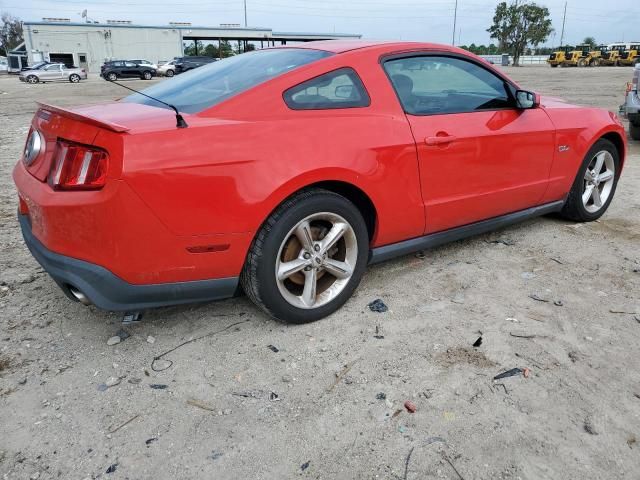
338, 89
434, 85
55, 66
129, 64
204, 87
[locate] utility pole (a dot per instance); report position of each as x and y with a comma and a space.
245, 13
455, 19
564, 17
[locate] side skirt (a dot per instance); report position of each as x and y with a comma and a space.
386, 252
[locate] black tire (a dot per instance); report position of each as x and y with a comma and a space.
582, 62
554, 65
74, 78
146, 75
112, 77
634, 131
573, 208
169, 73
258, 275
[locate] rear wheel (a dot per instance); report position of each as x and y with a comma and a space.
146, 75
634, 131
112, 77
32, 79
582, 62
595, 184
169, 73
308, 257
596, 62
74, 78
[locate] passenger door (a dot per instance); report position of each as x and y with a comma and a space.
130, 69
51, 72
479, 156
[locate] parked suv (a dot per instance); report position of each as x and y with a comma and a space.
631, 107
189, 63
126, 69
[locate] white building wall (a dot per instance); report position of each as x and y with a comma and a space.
102, 42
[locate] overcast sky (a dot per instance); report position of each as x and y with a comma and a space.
427, 20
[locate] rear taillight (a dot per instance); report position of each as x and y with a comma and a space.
78, 167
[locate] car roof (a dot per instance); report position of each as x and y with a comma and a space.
341, 46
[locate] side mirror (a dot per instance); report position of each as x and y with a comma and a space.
344, 91
526, 100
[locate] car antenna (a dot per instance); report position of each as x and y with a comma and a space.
180, 123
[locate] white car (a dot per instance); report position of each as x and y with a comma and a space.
167, 69
4, 65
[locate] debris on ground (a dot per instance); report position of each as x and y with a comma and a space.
123, 334
215, 455
558, 303
381, 396
420, 254
273, 348
158, 386
528, 275
378, 306
631, 441
522, 335
504, 241
340, 375
509, 373
625, 312
151, 339
478, 342
589, 427
410, 406
112, 381
149, 441
112, 468
113, 430
378, 334
305, 465
526, 372
114, 340
198, 404
538, 298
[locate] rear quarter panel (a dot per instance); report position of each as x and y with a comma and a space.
238, 161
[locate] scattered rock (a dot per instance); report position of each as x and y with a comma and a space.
160, 364
378, 306
410, 406
574, 356
631, 441
123, 334
381, 396
22, 381
215, 455
305, 465
159, 386
273, 348
538, 298
589, 427
558, 303
287, 379
114, 340
112, 468
134, 380
478, 342
151, 339
528, 275
112, 381
588, 338
149, 441
35, 476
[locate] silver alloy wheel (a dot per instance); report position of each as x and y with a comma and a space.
74, 78
598, 181
147, 76
32, 79
112, 76
316, 260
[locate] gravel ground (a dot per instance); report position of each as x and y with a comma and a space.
251, 398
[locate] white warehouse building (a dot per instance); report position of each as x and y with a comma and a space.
89, 45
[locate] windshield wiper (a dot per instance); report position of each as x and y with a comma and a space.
180, 123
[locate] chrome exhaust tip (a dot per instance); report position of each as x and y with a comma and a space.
81, 297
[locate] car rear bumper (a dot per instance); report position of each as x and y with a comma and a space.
109, 292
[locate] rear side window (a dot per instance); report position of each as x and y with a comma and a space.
204, 87
340, 88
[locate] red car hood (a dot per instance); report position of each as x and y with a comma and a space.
555, 102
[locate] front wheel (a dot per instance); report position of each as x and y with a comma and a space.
595, 184
169, 73
112, 77
146, 75
74, 78
596, 62
308, 257
32, 79
634, 131
582, 62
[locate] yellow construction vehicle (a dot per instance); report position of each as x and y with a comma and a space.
578, 57
630, 56
612, 56
559, 56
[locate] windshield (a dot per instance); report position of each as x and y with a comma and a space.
201, 88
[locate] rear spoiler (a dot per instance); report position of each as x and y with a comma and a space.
114, 127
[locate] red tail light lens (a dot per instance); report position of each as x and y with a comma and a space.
78, 167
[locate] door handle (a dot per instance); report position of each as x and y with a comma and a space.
432, 141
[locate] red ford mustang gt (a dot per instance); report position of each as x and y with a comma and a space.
286, 171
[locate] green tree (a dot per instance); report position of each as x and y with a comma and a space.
517, 26
10, 33
591, 41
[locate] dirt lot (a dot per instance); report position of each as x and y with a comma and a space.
235, 408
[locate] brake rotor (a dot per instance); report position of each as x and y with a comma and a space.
292, 249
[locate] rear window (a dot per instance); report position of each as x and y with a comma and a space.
202, 88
